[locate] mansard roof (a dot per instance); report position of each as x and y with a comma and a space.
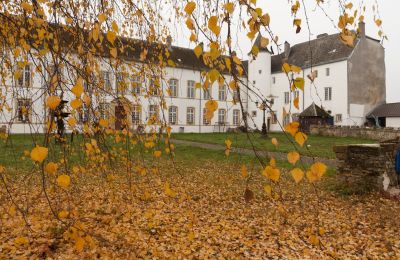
314, 111
386, 110
323, 50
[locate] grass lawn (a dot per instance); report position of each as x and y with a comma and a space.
319, 146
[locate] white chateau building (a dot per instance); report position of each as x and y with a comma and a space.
350, 83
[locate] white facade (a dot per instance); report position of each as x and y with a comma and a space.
393, 122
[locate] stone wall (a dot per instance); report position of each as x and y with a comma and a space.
380, 134
366, 167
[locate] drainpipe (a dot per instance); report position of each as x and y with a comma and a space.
200, 110
303, 91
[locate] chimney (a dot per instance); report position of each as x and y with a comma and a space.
287, 49
361, 29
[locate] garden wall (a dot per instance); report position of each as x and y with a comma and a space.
367, 167
380, 134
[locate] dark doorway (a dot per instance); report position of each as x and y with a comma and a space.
268, 123
120, 117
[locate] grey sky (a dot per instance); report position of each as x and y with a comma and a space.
281, 24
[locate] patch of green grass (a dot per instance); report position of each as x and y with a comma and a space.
319, 146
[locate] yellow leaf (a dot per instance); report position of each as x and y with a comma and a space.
213, 75
111, 36
103, 122
39, 154
157, 154
264, 42
189, 24
299, 83
114, 52
21, 241
349, 5
191, 236
268, 190
79, 244
168, 191
198, 50
265, 19
76, 103
213, 25
347, 39
255, 50
114, 26
63, 214
319, 169
286, 68
102, 17
272, 162
312, 177
244, 171
193, 37
293, 157
71, 121
2, 169
27, 7
77, 90
229, 7
275, 142
52, 102
274, 175
228, 143
300, 138
292, 128
378, 22
189, 8
296, 102
63, 181
295, 68
297, 174
51, 168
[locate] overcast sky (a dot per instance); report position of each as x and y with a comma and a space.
281, 22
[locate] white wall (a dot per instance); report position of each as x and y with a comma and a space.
392, 121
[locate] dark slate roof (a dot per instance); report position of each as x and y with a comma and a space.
325, 49
314, 111
386, 110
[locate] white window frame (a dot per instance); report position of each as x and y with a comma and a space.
173, 115
25, 80
207, 94
205, 121
104, 110
153, 112
121, 83
328, 93
191, 90
236, 117
221, 116
173, 87
106, 80
338, 118
222, 93
137, 84
136, 114
286, 97
190, 115
327, 72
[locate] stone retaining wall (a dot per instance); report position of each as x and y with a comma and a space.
362, 168
361, 132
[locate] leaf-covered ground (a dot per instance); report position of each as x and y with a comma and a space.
201, 214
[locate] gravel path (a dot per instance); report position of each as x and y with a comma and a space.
277, 155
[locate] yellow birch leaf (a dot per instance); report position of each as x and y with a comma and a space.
189, 8
286, 68
296, 102
27, 7
39, 154
272, 162
268, 190
292, 128
71, 121
111, 36
293, 157
229, 7
76, 103
114, 52
319, 169
63, 214
77, 90
52, 102
63, 181
275, 142
168, 191
21, 241
198, 50
103, 122
300, 138
51, 168
297, 174
244, 171
102, 17
213, 25
79, 244
264, 42
157, 154
299, 83
274, 175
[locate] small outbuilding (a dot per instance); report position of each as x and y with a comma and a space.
385, 115
314, 115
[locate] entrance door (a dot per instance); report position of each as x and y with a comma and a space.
120, 117
268, 124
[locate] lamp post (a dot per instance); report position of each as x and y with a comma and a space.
264, 106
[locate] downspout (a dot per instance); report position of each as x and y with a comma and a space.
200, 110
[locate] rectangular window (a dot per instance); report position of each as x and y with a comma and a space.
338, 118
254, 113
327, 71
190, 116
137, 83
296, 94
328, 93
84, 114
106, 80
173, 87
154, 87
173, 115
287, 98
236, 95
221, 116
236, 117
153, 113
136, 114
24, 110
222, 93
191, 89
207, 93
315, 73
259, 71
24, 79
205, 121
104, 110
273, 80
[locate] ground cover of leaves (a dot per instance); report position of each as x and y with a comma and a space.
195, 212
